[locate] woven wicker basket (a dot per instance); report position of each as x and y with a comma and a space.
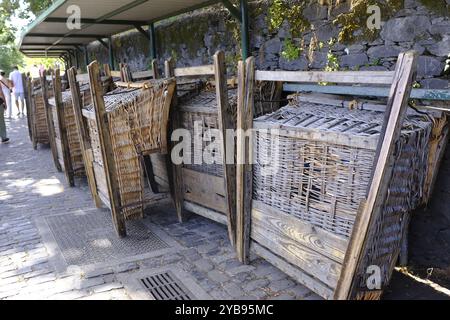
136, 120
39, 117
322, 158
71, 128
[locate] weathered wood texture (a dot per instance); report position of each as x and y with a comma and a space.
63, 144
106, 148
395, 113
83, 134
226, 123
50, 123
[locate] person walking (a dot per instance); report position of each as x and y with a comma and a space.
4, 138
18, 89
6, 87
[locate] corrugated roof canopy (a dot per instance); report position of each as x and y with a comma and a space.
49, 34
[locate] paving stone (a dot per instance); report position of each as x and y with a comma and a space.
204, 265
233, 289
218, 276
281, 285
239, 269
255, 284
107, 287
299, 291
98, 273
126, 267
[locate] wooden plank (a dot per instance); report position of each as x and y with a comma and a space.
322, 241
142, 74
28, 90
395, 112
311, 134
244, 181
295, 273
226, 122
421, 94
83, 134
115, 74
205, 212
50, 124
174, 171
310, 261
66, 159
194, 71
366, 77
204, 189
136, 85
106, 147
155, 70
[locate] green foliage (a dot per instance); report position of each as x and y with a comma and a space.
332, 60
10, 57
290, 51
356, 19
280, 10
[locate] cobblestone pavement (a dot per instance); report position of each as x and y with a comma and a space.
30, 187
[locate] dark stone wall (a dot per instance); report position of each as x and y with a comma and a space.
192, 39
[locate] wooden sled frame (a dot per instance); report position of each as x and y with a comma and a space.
126, 76
226, 121
401, 84
101, 120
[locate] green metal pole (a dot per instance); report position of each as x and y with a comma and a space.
111, 53
86, 57
244, 30
152, 34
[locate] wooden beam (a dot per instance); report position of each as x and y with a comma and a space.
383, 165
207, 70
83, 134
226, 122
68, 168
368, 77
50, 125
244, 182
175, 172
106, 148
155, 70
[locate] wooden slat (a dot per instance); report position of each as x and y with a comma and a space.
50, 124
297, 274
395, 112
66, 159
244, 181
204, 189
115, 74
174, 171
83, 134
205, 212
194, 71
366, 142
142, 74
311, 262
367, 77
226, 123
106, 147
322, 241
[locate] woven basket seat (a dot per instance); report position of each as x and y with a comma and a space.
136, 118
201, 110
325, 157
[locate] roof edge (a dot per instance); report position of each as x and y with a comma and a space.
42, 16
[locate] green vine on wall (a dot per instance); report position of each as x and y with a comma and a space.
280, 11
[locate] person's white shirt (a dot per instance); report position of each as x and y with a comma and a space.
16, 78
7, 93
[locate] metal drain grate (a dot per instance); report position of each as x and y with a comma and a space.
87, 239
166, 286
